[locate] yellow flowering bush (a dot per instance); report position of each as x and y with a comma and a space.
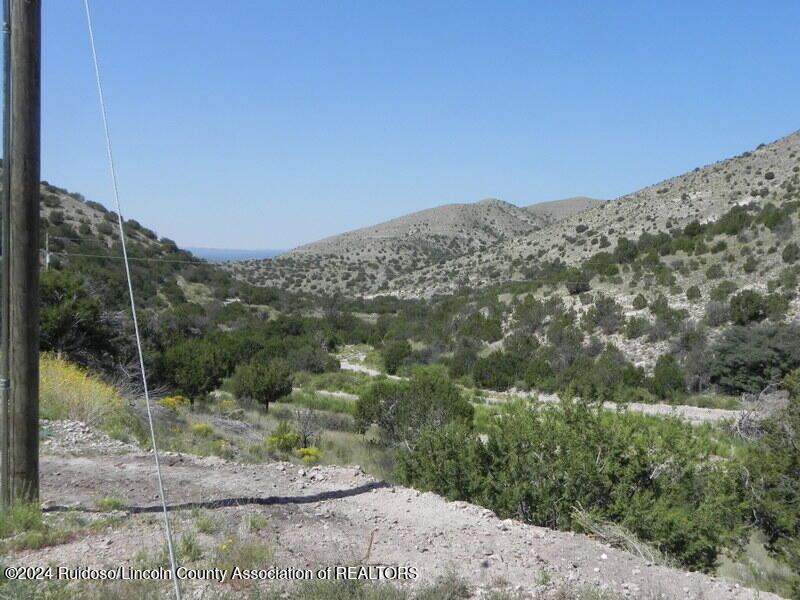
67, 391
284, 438
310, 455
175, 403
202, 429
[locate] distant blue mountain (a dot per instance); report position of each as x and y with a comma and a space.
230, 254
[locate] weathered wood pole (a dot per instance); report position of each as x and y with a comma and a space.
25, 55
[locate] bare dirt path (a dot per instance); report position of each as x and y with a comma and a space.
325, 515
694, 414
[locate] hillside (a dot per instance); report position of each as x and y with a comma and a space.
365, 259
83, 238
556, 210
763, 175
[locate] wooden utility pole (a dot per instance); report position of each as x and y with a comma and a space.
23, 282
5, 387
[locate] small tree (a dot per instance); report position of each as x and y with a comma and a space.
402, 408
262, 382
194, 367
394, 353
745, 359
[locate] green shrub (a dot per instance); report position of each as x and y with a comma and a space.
639, 302
636, 327
775, 467
394, 353
693, 293
748, 306
498, 371
481, 328
655, 477
746, 359
667, 380
194, 367
402, 408
722, 291
750, 265
606, 314
714, 272
791, 253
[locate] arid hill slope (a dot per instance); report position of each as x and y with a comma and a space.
364, 260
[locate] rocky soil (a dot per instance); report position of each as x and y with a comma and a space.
326, 516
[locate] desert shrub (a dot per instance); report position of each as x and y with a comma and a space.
566, 343
746, 359
714, 272
791, 253
71, 318
394, 353
750, 265
261, 381
748, 306
626, 251
668, 380
482, 328
691, 350
575, 287
717, 313
105, 228
693, 293
600, 379
636, 327
174, 403
284, 438
462, 362
402, 408
655, 477
722, 291
774, 467
606, 314
776, 306
524, 346
537, 372
309, 358
498, 371
639, 302
202, 429
56, 218
309, 455
530, 313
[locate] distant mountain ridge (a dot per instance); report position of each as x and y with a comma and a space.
230, 254
369, 257
441, 250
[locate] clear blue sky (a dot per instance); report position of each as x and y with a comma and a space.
261, 124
